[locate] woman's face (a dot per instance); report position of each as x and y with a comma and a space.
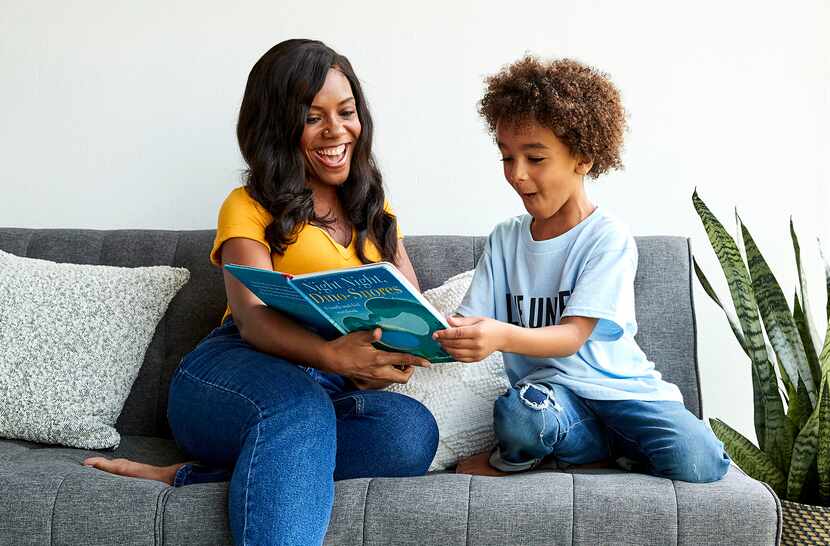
331, 131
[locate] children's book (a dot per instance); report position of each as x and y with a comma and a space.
340, 301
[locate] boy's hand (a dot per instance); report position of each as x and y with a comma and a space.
470, 339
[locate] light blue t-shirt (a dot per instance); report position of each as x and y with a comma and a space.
587, 271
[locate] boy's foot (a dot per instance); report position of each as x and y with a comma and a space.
132, 469
478, 465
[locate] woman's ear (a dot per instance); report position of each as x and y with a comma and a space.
583, 165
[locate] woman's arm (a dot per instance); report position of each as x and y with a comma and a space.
405, 266
271, 332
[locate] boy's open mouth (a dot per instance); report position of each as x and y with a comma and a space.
332, 156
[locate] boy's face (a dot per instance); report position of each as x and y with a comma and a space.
541, 168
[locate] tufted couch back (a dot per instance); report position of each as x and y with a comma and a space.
665, 311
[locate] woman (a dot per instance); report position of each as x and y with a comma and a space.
261, 400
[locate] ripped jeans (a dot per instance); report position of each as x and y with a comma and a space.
661, 438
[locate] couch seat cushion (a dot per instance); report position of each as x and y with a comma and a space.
49, 497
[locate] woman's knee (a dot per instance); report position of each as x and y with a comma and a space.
410, 431
419, 445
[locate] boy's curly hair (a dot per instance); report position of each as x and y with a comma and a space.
579, 104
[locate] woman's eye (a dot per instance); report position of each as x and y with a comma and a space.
311, 120
347, 113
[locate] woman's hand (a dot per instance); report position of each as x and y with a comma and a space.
471, 339
353, 356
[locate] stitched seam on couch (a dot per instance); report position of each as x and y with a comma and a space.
365, 504
28, 244
158, 519
52, 519
159, 417
690, 258
676, 513
780, 517
573, 507
469, 501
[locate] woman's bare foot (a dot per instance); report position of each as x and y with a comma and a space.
126, 467
478, 465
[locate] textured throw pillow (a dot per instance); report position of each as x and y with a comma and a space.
73, 338
460, 396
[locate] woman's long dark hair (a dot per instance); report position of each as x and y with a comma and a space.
278, 95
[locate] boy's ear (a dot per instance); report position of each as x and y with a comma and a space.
583, 165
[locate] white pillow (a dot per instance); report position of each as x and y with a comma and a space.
460, 396
73, 338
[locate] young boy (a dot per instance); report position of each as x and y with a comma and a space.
554, 291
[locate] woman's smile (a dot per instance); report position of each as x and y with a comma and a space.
333, 157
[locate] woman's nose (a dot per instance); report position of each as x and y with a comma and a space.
334, 128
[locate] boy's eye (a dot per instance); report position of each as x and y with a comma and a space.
506, 159
535, 159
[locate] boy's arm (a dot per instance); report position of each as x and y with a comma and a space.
471, 339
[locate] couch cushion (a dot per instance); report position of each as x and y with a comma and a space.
74, 338
191, 315
50, 498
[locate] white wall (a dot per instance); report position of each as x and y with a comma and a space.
121, 114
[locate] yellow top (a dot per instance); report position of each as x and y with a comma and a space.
314, 250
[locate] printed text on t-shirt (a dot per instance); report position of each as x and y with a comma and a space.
543, 311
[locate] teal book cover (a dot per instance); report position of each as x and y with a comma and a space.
355, 299
275, 291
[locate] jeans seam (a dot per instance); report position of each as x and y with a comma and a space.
247, 487
571, 427
226, 389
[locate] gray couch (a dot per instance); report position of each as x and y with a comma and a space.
48, 497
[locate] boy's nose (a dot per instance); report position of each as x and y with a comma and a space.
518, 175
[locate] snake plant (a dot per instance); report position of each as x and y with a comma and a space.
790, 367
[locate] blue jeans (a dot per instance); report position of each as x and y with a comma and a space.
662, 438
283, 433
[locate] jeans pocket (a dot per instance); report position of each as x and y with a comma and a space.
348, 406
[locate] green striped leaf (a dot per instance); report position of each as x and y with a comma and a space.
778, 435
806, 304
824, 357
800, 406
778, 320
806, 338
733, 321
759, 410
823, 458
805, 448
752, 460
